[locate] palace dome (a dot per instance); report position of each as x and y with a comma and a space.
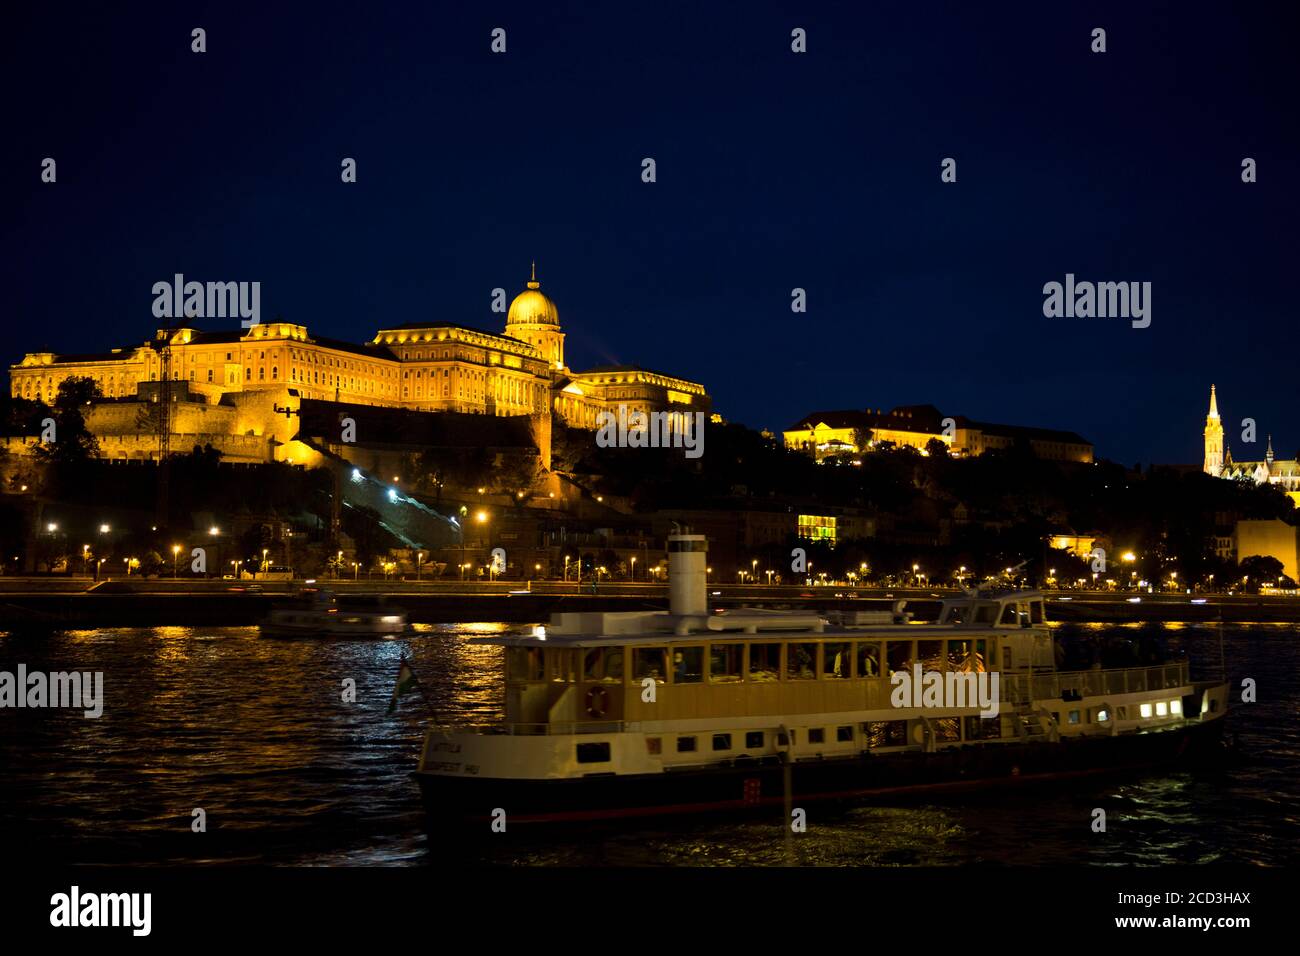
533, 307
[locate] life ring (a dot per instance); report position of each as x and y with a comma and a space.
597, 702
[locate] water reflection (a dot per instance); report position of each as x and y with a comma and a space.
259, 734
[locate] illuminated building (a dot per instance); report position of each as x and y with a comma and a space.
850, 432
1218, 459
242, 387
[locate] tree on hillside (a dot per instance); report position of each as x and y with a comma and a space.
73, 444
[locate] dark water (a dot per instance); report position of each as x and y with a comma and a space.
256, 733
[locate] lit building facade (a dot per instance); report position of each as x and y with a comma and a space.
850, 432
1218, 459
430, 367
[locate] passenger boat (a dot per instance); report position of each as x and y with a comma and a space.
316, 612
682, 711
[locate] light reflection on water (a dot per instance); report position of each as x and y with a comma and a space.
258, 734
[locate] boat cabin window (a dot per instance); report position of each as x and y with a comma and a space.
967, 655
524, 663
817, 735
593, 753
801, 663
836, 660
726, 663
686, 745
982, 728
930, 654
885, 733
868, 656
984, 613
754, 739
559, 665
1009, 615
722, 741
688, 665
947, 729
899, 654
1036, 612
650, 662
844, 735
764, 662
603, 664
956, 614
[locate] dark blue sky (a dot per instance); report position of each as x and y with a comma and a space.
775, 170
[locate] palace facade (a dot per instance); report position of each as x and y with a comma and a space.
247, 377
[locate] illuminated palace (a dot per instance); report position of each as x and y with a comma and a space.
241, 387
848, 432
1219, 463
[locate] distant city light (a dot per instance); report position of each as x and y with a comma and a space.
356, 474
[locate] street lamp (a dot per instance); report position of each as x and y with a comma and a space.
634, 569
176, 553
419, 558
753, 570
104, 529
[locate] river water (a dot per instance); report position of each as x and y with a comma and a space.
256, 733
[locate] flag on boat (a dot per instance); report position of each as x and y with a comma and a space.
406, 683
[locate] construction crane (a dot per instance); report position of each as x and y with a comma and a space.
162, 344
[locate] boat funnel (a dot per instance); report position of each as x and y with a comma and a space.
688, 556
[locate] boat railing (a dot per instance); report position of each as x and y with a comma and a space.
1066, 685
557, 728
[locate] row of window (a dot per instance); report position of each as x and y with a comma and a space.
875, 735
730, 662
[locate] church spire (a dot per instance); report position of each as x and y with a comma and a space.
532, 282
1268, 455
1215, 446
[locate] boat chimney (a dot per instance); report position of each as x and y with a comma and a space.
688, 556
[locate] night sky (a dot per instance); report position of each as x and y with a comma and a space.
775, 171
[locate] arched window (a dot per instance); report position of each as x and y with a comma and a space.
275, 372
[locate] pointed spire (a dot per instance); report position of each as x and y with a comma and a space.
1214, 405
533, 283
1268, 455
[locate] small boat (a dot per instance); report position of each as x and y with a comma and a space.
628, 714
316, 612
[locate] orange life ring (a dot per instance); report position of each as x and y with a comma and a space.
597, 702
